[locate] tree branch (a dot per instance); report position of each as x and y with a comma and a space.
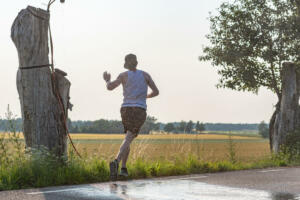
274, 80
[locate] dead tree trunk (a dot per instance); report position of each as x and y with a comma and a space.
43, 118
286, 116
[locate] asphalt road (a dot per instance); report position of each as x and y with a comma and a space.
267, 184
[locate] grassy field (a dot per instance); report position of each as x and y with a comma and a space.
151, 156
206, 147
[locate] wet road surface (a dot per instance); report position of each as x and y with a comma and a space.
267, 184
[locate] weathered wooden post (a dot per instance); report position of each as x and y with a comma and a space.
43, 116
287, 115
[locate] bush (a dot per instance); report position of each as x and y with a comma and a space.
263, 129
291, 147
231, 147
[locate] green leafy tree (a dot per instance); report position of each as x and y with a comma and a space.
189, 127
169, 127
197, 127
149, 125
263, 129
182, 127
249, 41
74, 129
200, 127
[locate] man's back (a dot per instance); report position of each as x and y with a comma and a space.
138, 82
135, 90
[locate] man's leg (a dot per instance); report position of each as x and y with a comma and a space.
132, 119
125, 147
125, 158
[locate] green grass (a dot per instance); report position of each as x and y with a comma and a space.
46, 171
39, 168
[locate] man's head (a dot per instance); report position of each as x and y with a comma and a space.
130, 62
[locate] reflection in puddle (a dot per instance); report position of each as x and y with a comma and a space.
284, 196
124, 189
172, 190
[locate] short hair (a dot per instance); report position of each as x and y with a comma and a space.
132, 59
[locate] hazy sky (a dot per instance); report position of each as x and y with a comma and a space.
92, 36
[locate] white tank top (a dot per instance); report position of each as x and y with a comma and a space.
135, 90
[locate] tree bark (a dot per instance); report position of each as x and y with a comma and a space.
43, 117
286, 117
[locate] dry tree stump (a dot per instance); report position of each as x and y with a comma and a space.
43, 117
286, 118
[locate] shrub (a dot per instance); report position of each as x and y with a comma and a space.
291, 147
231, 150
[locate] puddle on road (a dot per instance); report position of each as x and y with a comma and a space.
284, 196
169, 190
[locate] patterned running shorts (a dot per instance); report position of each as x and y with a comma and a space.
133, 119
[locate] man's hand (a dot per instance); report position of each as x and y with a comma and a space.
106, 76
112, 84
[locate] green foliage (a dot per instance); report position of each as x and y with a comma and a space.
182, 126
139, 169
249, 41
98, 126
280, 159
114, 126
29, 173
200, 127
189, 127
109, 126
231, 150
169, 127
10, 138
230, 127
291, 147
42, 169
263, 129
39, 168
149, 125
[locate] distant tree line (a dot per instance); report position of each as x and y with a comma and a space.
184, 127
17, 123
151, 124
191, 127
230, 127
110, 126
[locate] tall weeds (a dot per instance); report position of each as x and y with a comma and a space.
231, 147
39, 168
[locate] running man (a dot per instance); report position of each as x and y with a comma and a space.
133, 111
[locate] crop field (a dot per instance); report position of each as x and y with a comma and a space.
151, 156
206, 147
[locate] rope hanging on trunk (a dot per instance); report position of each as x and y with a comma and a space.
53, 78
35, 67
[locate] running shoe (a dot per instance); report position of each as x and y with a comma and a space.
124, 172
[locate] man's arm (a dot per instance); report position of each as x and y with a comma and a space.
151, 84
111, 85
